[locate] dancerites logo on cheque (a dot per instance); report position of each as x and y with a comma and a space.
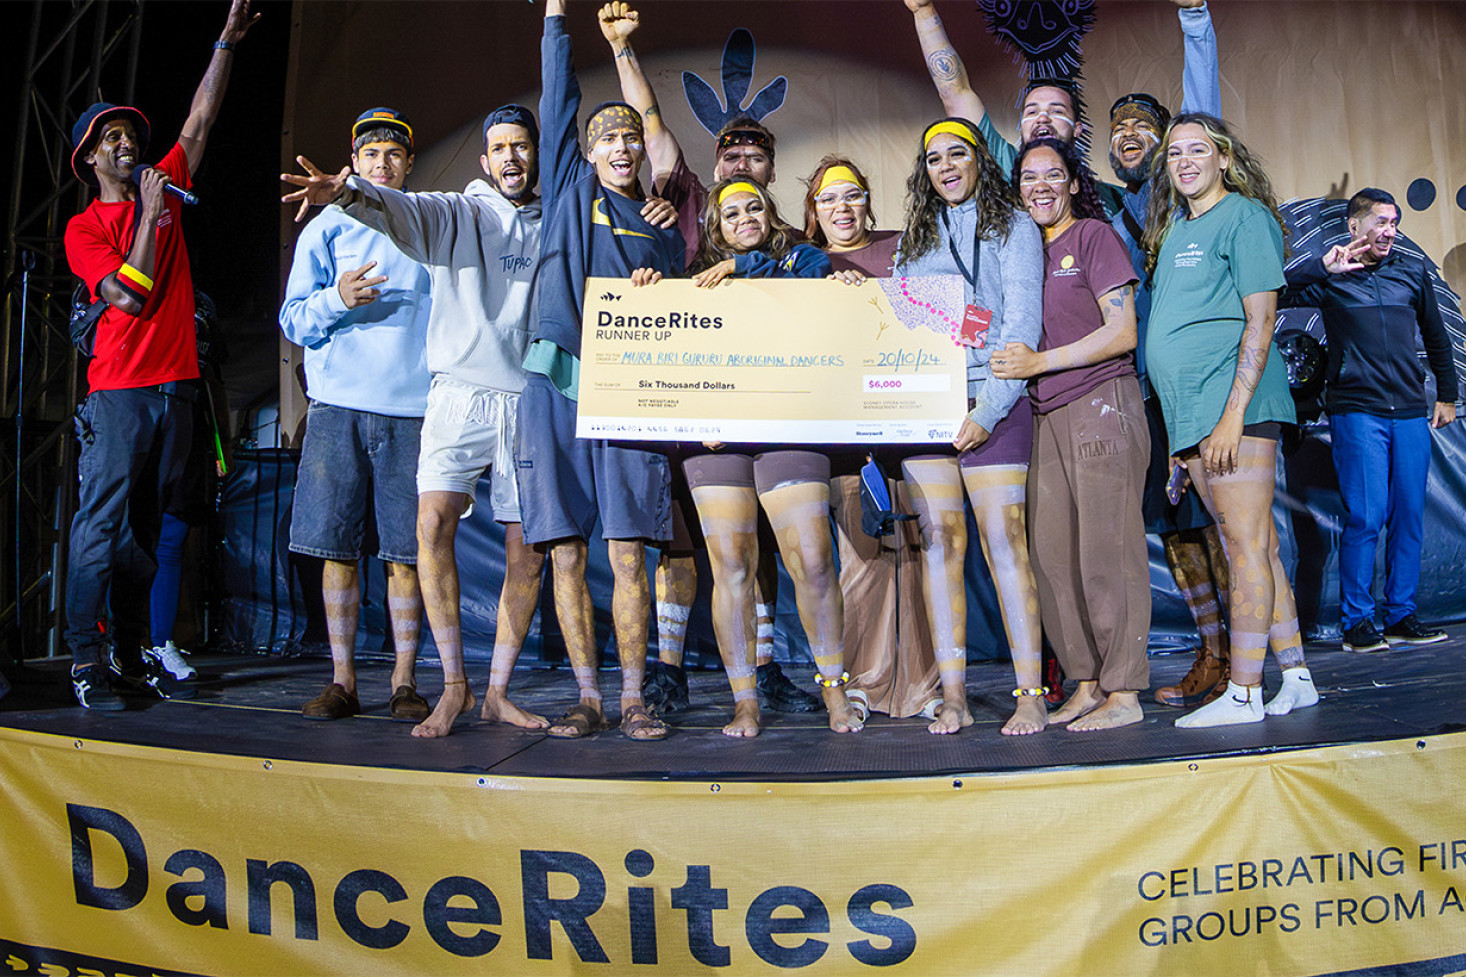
463, 915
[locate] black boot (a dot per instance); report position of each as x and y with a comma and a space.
777, 694
665, 689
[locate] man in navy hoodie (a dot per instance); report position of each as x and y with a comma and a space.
1375, 301
593, 227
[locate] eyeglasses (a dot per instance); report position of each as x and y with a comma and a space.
850, 198
1053, 178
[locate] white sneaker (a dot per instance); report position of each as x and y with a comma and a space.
172, 658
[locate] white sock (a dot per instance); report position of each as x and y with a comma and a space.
1297, 692
1239, 704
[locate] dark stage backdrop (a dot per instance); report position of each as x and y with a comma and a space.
1334, 96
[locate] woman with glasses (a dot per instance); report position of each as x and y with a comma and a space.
1091, 444
963, 218
1214, 248
888, 645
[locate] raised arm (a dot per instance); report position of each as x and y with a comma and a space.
210, 94
943, 64
561, 161
1201, 87
618, 22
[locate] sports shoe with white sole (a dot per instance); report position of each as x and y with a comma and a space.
173, 660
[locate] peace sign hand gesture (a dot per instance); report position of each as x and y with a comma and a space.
1343, 258
318, 189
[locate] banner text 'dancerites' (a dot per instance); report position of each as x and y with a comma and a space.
464, 917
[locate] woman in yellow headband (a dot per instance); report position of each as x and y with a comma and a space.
744, 237
839, 217
963, 218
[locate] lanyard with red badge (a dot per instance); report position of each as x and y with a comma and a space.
975, 319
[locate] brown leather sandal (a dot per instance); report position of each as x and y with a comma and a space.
638, 724
579, 720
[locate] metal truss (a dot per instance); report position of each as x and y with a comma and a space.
77, 52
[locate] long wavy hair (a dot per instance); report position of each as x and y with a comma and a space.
812, 230
996, 201
1085, 203
1244, 175
714, 247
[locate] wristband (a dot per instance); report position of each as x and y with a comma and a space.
134, 280
224, 46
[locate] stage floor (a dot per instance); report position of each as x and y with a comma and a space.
249, 706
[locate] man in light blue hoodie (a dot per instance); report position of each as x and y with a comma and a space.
360, 308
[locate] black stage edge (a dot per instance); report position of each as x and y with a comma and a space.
250, 706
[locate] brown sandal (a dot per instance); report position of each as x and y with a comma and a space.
406, 706
579, 720
638, 724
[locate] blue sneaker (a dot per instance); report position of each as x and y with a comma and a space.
93, 687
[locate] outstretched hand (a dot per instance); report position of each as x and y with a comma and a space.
618, 21
1342, 258
317, 188
239, 21
916, 5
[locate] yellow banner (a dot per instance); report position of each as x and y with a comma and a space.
763, 360
121, 859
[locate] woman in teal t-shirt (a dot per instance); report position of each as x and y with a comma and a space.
1214, 240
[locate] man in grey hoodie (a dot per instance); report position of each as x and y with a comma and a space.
481, 248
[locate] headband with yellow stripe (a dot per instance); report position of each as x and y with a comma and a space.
838, 174
951, 127
737, 186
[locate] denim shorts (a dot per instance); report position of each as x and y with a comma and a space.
356, 467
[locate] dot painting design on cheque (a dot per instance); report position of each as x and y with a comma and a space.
926, 302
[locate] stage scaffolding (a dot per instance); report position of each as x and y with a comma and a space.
75, 53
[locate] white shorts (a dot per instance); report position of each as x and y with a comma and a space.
466, 430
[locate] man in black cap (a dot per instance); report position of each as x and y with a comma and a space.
134, 426
359, 307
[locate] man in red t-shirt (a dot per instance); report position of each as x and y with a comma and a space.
135, 423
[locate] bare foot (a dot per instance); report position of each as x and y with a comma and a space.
1031, 715
951, 716
498, 709
746, 719
843, 717
457, 698
1120, 709
1086, 699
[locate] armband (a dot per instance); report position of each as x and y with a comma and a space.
134, 282
224, 46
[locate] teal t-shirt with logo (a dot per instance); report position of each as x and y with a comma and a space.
1205, 268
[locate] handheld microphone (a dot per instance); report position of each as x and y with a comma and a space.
169, 187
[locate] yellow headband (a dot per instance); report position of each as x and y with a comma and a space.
738, 186
958, 129
838, 174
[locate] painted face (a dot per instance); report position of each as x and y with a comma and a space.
1047, 111
1378, 227
509, 160
1195, 164
744, 221
384, 163
115, 154
841, 210
1131, 142
750, 162
1046, 188
951, 165
617, 154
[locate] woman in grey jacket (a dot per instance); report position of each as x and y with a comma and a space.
963, 218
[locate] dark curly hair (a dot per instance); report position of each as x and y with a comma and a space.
996, 201
1085, 203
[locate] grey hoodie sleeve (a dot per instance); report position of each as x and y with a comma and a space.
1021, 267
420, 224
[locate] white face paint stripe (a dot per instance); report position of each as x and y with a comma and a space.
670, 612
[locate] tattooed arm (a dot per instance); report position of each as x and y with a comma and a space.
946, 68
1116, 337
210, 94
1219, 449
618, 22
